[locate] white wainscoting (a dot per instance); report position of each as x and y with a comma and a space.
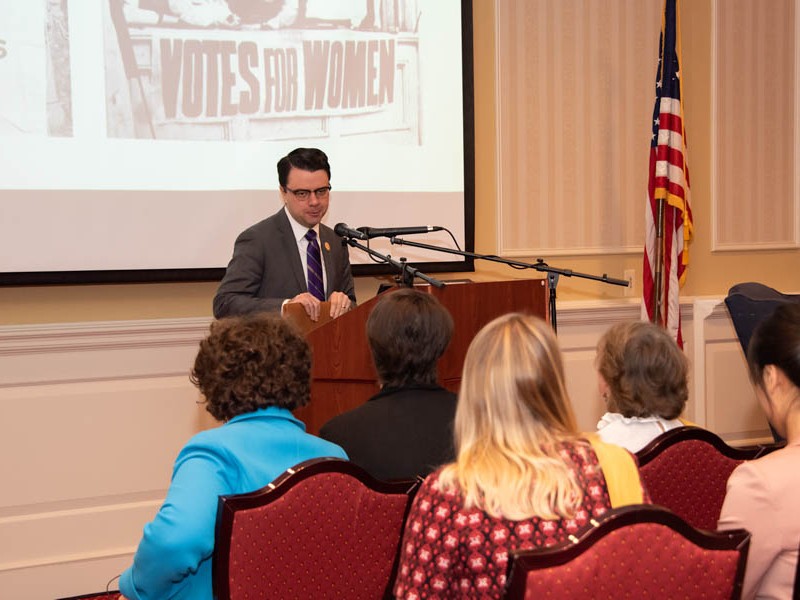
721, 378
95, 413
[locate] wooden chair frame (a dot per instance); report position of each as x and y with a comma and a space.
681, 434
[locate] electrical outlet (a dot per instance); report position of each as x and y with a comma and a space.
630, 275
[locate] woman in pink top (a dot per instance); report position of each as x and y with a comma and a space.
762, 494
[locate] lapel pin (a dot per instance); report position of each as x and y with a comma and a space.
327, 247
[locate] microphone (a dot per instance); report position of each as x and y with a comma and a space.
343, 230
373, 232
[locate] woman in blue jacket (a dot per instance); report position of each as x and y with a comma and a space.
253, 371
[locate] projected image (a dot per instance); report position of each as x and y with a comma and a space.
35, 69
263, 70
147, 131
59, 89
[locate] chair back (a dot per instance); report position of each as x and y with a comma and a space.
750, 303
323, 529
640, 551
686, 470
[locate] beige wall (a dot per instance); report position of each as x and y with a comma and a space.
709, 273
713, 273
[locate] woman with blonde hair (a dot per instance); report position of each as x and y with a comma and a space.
523, 476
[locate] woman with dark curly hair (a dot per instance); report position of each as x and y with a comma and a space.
642, 375
253, 371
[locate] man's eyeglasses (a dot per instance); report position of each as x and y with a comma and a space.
306, 194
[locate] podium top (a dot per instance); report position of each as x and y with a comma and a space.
295, 313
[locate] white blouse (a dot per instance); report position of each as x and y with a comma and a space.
633, 433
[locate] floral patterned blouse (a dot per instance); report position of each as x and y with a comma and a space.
452, 552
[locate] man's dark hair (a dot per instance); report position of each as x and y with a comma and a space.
306, 159
408, 331
252, 362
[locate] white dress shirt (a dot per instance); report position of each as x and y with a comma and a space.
299, 232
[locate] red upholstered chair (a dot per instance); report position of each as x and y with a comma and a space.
323, 529
639, 551
687, 469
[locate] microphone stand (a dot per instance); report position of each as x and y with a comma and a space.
552, 272
407, 272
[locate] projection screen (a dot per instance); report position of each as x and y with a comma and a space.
139, 137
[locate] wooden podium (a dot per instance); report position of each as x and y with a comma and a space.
343, 376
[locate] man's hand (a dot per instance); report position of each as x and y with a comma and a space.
340, 304
311, 304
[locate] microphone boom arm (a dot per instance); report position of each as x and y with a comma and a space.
402, 267
539, 265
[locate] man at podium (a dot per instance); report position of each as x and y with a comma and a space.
407, 428
290, 256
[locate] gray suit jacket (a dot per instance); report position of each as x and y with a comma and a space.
266, 270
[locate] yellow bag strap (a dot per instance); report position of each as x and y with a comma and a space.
687, 422
620, 471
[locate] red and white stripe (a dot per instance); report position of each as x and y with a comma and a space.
669, 180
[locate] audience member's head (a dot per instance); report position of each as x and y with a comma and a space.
773, 357
408, 331
643, 372
513, 413
252, 362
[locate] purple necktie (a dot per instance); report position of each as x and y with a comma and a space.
314, 266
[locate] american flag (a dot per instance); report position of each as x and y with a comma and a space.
665, 253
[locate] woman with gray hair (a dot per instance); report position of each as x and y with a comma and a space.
642, 378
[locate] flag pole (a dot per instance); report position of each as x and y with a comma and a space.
668, 217
658, 273
658, 270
